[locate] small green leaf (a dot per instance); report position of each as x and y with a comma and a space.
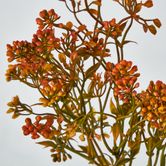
135, 145
10, 110
83, 148
47, 144
138, 7
129, 41
150, 143
113, 109
115, 131
15, 115
122, 26
92, 70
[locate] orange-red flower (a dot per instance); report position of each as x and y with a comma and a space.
36, 129
154, 104
124, 76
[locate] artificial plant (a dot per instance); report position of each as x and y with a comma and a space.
89, 104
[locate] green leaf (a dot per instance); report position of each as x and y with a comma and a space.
47, 144
92, 70
15, 115
158, 143
83, 148
135, 145
10, 110
138, 7
115, 131
83, 53
113, 109
150, 143
122, 26
128, 41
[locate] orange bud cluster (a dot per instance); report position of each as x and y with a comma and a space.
96, 47
113, 29
32, 59
54, 87
124, 77
108, 74
154, 104
36, 129
44, 41
97, 79
18, 49
96, 85
53, 96
24, 68
109, 24
47, 18
28, 61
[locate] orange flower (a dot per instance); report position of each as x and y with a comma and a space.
154, 104
124, 77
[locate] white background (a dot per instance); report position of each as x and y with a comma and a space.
17, 22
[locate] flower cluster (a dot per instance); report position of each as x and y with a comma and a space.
113, 28
134, 7
27, 60
96, 47
18, 50
96, 87
44, 41
36, 129
47, 18
33, 63
53, 90
154, 104
124, 77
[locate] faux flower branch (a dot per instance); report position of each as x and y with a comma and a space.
94, 108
